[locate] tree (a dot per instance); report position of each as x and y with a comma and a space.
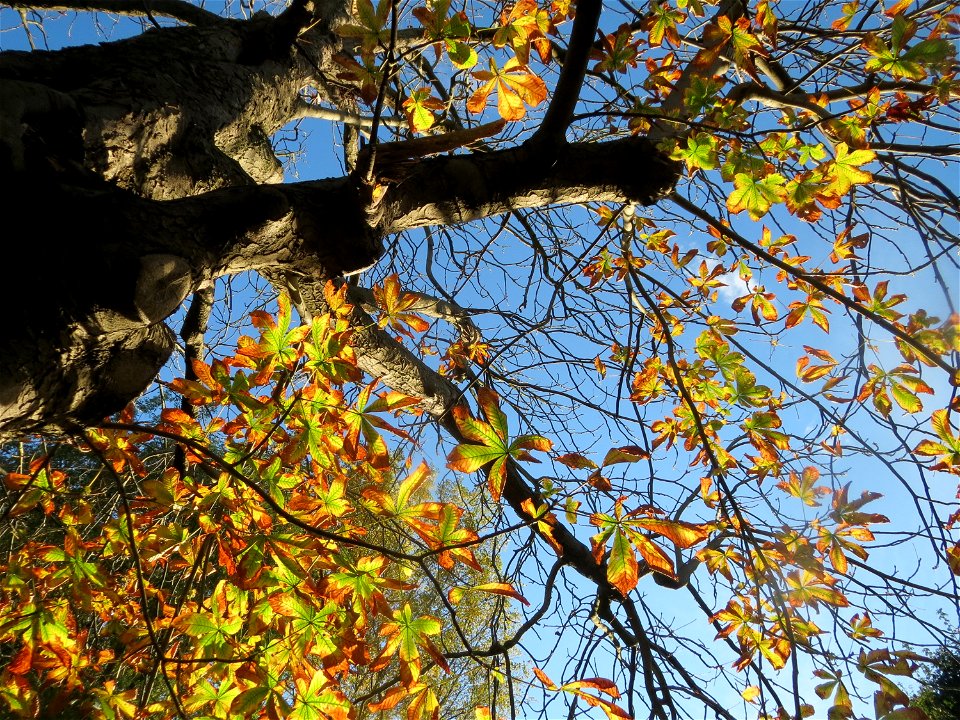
940, 697
721, 385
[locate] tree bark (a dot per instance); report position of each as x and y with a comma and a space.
143, 169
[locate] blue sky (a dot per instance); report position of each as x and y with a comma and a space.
491, 286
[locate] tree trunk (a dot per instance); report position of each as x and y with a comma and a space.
143, 170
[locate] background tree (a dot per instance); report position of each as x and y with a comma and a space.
722, 384
940, 697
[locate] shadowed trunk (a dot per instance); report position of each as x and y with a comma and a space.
143, 170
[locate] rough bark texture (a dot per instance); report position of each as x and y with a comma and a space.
143, 170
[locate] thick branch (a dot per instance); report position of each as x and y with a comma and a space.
859, 91
106, 297
175, 9
567, 91
452, 190
674, 103
775, 99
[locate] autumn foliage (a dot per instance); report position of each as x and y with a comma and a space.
255, 583
275, 533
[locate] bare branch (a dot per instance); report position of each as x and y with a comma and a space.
851, 305
306, 110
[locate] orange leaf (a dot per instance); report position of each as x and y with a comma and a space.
544, 679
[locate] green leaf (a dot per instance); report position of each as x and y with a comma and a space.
700, 153
756, 196
844, 171
470, 458
622, 567
462, 55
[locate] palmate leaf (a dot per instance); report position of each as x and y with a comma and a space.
948, 446
807, 588
447, 537
756, 195
628, 540
373, 28
804, 486
526, 24
619, 51
423, 704
320, 699
844, 172
681, 534
406, 635
394, 303
515, 85
911, 64
209, 629
397, 502
361, 419
217, 699
663, 24
279, 344
470, 458
724, 32
419, 109
700, 153
493, 442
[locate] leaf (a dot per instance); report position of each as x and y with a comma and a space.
390, 699
803, 486
602, 685
470, 458
514, 85
372, 30
756, 196
398, 503
542, 677
505, 589
654, 555
495, 446
407, 634
948, 447
622, 568
662, 24
845, 170
682, 534
624, 454
618, 51
912, 63
576, 461
525, 26
462, 55
395, 303
419, 108
700, 152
